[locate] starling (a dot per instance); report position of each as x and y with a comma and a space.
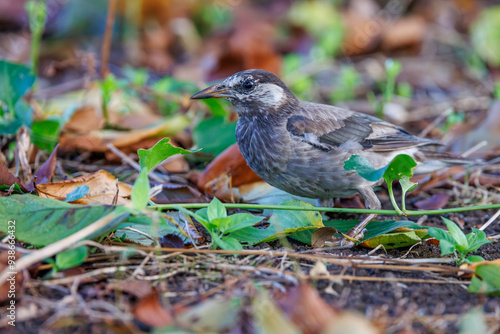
300, 147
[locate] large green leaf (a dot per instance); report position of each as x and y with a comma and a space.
487, 280
42, 221
15, 80
373, 229
149, 158
281, 224
214, 135
45, 134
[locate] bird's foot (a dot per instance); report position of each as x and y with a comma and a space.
347, 240
353, 236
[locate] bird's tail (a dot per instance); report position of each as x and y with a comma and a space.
433, 161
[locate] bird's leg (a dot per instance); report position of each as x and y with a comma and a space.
357, 232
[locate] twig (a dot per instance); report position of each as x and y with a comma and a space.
490, 221
106, 42
58, 246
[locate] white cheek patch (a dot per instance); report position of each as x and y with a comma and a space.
269, 94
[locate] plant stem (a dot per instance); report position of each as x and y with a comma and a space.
393, 200
340, 210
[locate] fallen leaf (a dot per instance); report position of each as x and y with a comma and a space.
171, 241
321, 235
8, 179
307, 310
46, 171
436, 201
231, 164
84, 120
151, 312
474, 265
102, 189
97, 141
406, 32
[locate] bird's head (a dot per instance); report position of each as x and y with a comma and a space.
251, 89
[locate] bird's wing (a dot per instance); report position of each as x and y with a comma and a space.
326, 127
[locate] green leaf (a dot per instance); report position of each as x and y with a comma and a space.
238, 221
203, 135
216, 210
373, 229
447, 247
446, 241
42, 221
395, 240
227, 243
77, 193
203, 220
15, 81
486, 280
281, 224
406, 186
473, 322
476, 239
46, 134
475, 258
456, 234
485, 35
216, 107
401, 165
364, 168
71, 257
151, 225
140, 191
148, 159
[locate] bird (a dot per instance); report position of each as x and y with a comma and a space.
300, 147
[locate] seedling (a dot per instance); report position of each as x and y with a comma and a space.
220, 226
455, 242
392, 70
400, 168
348, 81
148, 160
37, 11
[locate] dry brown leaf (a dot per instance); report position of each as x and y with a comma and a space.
23, 152
243, 48
363, 27
230, 163
8, 179
321, 235
102, 189
304, 306
46, 171
97, 141
405, 32
151, 312
84, 120
474, 265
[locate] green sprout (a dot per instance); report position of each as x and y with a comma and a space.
37, 11
455, 242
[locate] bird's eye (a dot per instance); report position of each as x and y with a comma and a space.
248, 84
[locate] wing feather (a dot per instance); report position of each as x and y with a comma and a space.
326, 127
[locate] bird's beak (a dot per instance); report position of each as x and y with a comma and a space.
215, 91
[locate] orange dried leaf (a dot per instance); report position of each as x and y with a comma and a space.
102, 189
